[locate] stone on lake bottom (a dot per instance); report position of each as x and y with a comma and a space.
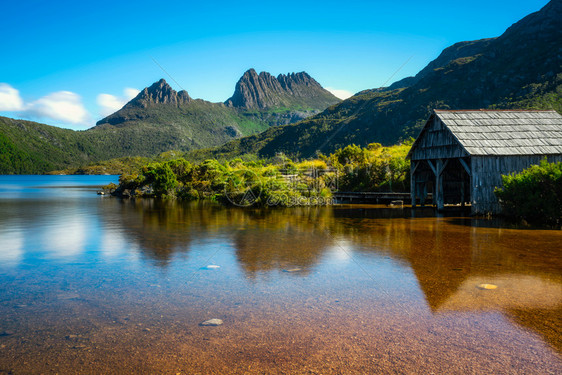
211, 267
68, 296
212, 322
293, 270
487, 286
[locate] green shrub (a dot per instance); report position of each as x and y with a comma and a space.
282, 182
163, 179
534, 195
131, 181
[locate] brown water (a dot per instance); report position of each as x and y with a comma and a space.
98, 285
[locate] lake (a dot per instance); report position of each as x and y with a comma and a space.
94, 284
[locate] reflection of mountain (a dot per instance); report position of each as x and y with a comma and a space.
451, 261
288, 239
449, 258
265, 250
158, 229
265, 240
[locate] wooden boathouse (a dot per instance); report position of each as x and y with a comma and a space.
460, 155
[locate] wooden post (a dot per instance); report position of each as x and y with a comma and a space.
413, 182
413, 187
440, 166
435, 172
437, 188
441, 196
469, 175
463, 199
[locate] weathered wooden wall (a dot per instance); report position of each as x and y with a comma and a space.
486, 176
437, 142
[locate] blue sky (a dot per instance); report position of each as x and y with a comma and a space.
70, 63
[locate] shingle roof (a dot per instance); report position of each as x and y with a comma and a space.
506, 132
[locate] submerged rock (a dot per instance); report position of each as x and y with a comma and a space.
212, 322
296, 269
68, 295
487, 286
211, 267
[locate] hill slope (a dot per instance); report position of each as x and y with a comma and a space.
520, 69
28, 147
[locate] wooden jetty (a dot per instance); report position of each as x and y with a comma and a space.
372, 197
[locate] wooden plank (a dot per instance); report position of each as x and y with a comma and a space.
433, 168
442, 168
415, 166
466, 167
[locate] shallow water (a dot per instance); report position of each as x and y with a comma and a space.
93, 284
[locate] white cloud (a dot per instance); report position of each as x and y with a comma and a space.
342, 94
11, 251
62, 106
130, 93
111, 103
112, 243
10, 99
65, 237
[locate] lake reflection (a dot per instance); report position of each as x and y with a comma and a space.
96, 284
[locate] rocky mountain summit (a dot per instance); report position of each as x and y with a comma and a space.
159, 93
263, 91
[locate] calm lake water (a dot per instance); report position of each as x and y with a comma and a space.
93, 284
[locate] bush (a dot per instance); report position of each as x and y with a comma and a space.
279, 183
163, 178
534, 195
131, 181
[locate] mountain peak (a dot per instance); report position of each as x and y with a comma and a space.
159, 92
263, 90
